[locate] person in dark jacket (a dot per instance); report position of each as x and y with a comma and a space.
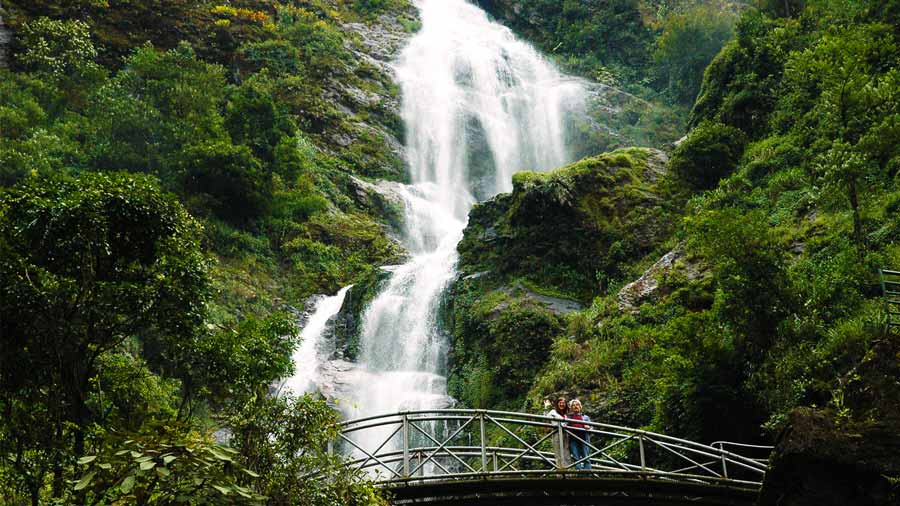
579, 437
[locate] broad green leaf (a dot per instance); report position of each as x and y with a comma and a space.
223, 490
104, 466
85, 480
251, 473
219, 455
147, 465
87, 460
127, 484
162, 471
168, 459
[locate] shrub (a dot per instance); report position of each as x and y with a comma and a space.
710, 152
232, 183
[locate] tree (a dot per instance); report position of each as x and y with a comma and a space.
851, 77
59, 48
688, 42
86, 263
150, 111
228, 180
283, 440
64, 52
253, 119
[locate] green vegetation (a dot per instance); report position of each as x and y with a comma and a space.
779, 208
709, 153
651, 52
172, 175
176, 175
563, 235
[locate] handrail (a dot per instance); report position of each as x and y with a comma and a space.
543, 421
425, 445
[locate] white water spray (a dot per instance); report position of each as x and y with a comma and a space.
478, 105
309, 356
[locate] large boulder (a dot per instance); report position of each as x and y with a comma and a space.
818, 461
531, 259
558, 229
849, 454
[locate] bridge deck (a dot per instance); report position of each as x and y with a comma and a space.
567, 489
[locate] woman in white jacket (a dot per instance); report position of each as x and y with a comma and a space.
560, 438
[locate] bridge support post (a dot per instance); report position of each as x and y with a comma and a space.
483, 443
724, 466
561, 434
405, 446
641, 445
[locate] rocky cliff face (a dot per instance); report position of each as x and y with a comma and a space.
5, 40
367, 97
531, 258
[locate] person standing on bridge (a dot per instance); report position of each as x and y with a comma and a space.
579, 438
560, 438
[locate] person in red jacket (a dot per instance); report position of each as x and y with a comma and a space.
579, 435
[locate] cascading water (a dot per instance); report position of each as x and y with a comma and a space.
308, 356
478, 105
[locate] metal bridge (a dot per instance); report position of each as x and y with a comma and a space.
462, 456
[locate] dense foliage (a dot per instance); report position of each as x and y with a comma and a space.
173, 172
655, 48
783, 202
170, 173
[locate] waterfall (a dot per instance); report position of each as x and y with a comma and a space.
308, 356
478, 105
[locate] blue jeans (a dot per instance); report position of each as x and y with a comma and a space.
579, 450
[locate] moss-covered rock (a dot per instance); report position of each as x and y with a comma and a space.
570, 230
501, 338
530, 259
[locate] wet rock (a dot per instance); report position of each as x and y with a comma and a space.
558, 305
382, 199
647, 287
349, 319
368, 97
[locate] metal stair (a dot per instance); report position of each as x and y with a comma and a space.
890, 291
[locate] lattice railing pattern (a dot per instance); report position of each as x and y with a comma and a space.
463, 444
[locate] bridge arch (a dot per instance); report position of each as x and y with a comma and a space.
464, 456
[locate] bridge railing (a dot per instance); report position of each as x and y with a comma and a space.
418, 446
